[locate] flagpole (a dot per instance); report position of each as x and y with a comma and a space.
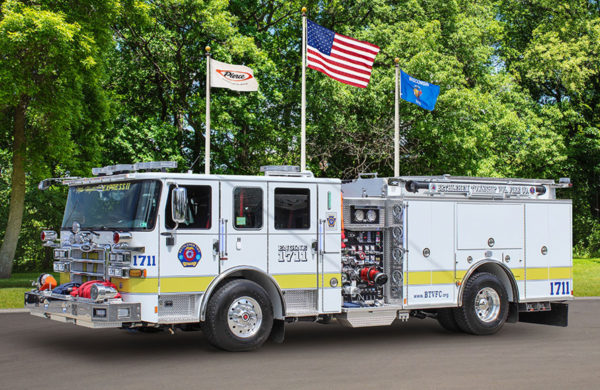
303, 104
396, 122
207, 135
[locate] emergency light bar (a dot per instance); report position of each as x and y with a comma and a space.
280, 168
284, 170
141, 166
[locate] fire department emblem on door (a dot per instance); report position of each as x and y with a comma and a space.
189, 254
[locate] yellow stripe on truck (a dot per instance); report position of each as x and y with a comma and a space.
519, 273
561, 273
546, 273
201, 283
187, 284
448, 277
442, 277
419, 277
137, 285
305, 281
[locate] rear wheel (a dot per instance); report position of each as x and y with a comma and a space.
485, 305
239, 316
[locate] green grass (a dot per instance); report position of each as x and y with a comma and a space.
586, 277
12, 297
12, 289
22, 279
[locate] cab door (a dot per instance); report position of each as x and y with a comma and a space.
244, 218
188, 262
293, 224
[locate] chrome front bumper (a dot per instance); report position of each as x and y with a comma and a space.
81, 311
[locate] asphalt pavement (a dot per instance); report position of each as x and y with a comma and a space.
45, 354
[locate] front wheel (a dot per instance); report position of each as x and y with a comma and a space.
485, 305
239, 316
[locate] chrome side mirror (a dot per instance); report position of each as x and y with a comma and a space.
179, 201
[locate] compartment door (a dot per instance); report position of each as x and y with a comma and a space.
548, 254
430, 258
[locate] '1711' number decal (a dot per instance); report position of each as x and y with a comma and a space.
559, 288
148, 261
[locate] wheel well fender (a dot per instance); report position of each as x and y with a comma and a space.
499, 270
254, 274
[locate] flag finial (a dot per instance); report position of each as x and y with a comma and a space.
396, 60
207, 48
303, 10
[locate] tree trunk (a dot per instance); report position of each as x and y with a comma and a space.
17, 193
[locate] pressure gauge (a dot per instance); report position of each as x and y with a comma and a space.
371, 216
359, 215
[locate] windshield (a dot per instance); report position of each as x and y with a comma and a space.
112, 206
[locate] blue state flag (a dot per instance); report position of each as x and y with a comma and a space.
421, 93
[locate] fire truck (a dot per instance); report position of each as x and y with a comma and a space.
240, 256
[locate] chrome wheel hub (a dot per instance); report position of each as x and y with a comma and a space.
487, 304
244, 317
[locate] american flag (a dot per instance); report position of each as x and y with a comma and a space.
342, 58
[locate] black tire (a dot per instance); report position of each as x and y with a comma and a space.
446, 319
239, 316
477, 319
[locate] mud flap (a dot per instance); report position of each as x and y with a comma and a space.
278, 331
557, 316
513, 312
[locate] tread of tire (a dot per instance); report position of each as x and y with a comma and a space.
460, 313
210, 329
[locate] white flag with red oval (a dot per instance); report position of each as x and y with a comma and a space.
236, 77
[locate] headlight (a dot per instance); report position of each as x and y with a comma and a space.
371, 215
58, 266
359, 215
61, 253
118, 272
120, 257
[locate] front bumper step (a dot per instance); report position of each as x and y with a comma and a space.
81, 311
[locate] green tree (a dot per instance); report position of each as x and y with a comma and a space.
553, 50
484, 123
49, 70
158, 78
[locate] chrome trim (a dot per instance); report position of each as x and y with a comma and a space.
81, 311
478, 264
244, 317
216, 281
487, 304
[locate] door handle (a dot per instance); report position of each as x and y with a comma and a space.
222, 239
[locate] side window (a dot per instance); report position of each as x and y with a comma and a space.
292, 208
248, 208
198, 214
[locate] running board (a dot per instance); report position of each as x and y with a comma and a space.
370, 316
